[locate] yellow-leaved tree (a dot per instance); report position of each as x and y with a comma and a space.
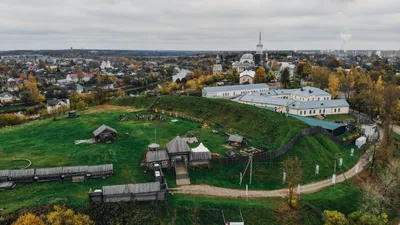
260, 76
63, 216
31, 86
29, 219
334, 218
333, 85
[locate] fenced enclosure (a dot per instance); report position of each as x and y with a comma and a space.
264, 156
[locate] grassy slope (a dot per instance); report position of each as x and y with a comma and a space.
263, 127
311, 150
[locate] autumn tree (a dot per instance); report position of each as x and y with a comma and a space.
294, 175
286, 215
285, 78
260, 76
334, 218
22, 76
29, 219
304, 69
121, 93
33, 90
63, 216
333, 85
320, 77
334, 64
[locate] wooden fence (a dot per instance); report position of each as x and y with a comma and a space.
264, 156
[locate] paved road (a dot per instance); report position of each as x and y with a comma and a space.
208, 190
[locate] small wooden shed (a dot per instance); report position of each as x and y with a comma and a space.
159, 157
236, 140
105, 134
200, 155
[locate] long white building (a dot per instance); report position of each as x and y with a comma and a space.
233, 91
306, 101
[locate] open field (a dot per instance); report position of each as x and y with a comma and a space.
50, 143
341, 117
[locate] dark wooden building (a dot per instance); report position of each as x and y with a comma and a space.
105, 134
178, 151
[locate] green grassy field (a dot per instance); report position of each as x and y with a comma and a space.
50, 143
265, 128
311, 150
341, 117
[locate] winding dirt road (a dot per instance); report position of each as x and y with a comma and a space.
208, 190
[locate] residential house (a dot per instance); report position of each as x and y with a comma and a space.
57, 103
6, 97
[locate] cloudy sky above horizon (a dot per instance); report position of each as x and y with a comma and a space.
199, 24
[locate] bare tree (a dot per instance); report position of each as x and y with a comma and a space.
294, 175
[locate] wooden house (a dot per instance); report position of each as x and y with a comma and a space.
22, 176
48, 174
152, 191
178, 151
105, 134
159, 157
236, 140
101, 171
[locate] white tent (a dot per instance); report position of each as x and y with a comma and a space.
200, 155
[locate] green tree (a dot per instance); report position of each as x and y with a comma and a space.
260, 76
320, 77
304, 69
364, 218
334, 218
285, 78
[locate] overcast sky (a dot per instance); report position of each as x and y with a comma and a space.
199, 24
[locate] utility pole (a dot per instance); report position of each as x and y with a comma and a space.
251, 167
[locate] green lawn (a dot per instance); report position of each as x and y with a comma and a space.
12, 108
341, 117
312, 150
50, 144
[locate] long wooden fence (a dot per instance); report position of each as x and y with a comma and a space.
264, 156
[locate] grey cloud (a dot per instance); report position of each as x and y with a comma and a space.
192, 24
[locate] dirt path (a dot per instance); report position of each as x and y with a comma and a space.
396, 129
308, 188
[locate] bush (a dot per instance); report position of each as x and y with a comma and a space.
10, 119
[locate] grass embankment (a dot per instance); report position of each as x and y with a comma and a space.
341, 117
264, 128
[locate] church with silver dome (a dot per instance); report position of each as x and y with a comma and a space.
249, 61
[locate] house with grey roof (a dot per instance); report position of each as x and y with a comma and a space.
105, 134
233, 90
54, 104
